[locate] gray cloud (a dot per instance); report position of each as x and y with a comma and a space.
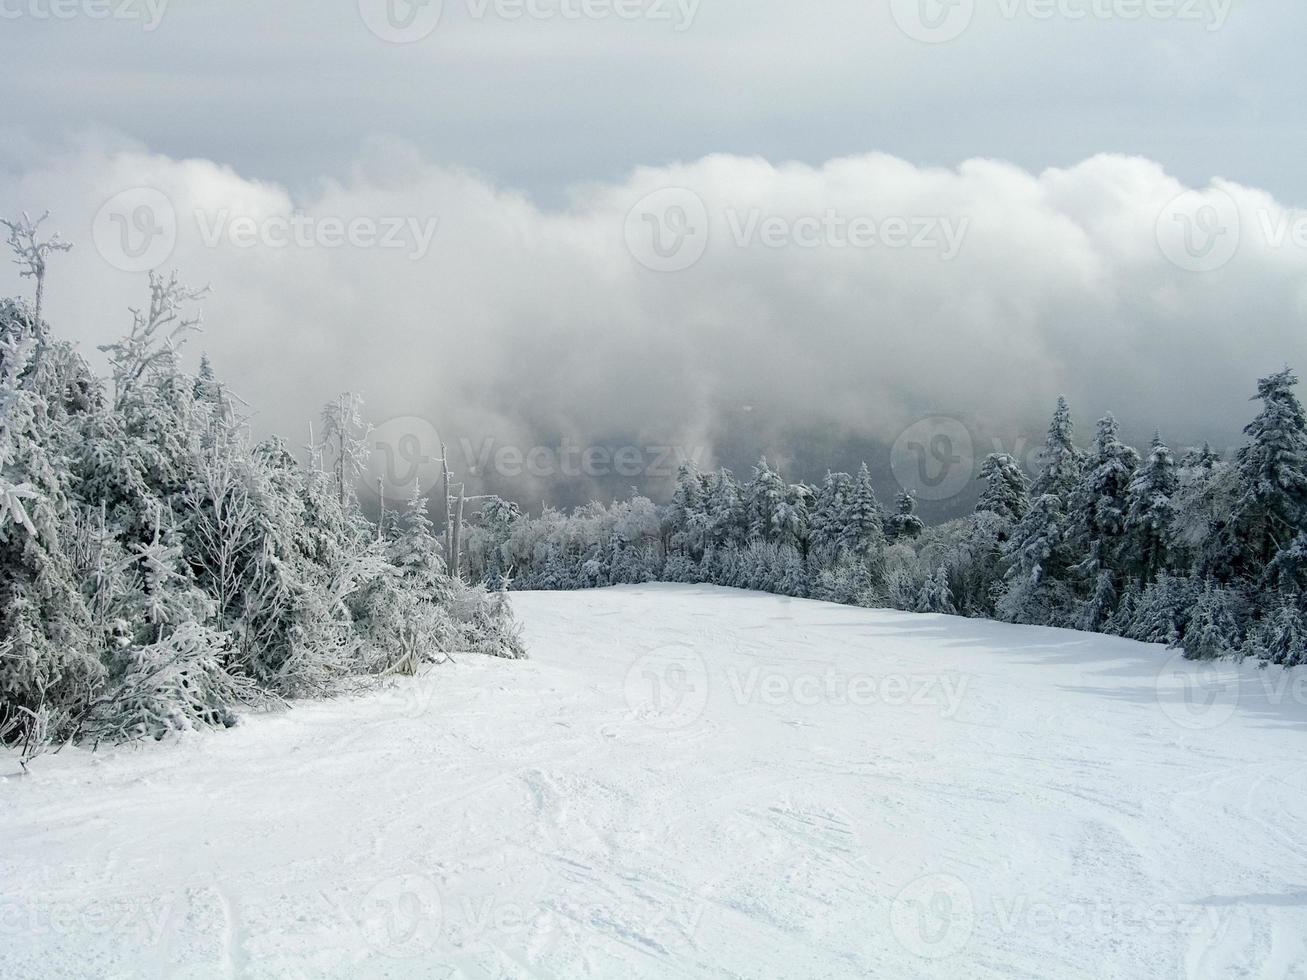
534, 325
286, 91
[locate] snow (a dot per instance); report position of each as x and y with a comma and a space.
820, 791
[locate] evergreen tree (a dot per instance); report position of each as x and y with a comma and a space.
1098, 505
1163, 610
1149, 515
415, 550
727, 526
764, 496
689, 515
904, 524
864, 535
830, 515
1036, 562
1124, 617
1096, 616
1061, 461
1212, 631
1271, 505
1284, 637
790, 519
935, 595
1006, 488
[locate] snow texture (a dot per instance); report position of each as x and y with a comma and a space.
687, 781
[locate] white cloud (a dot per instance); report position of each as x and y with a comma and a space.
524, 322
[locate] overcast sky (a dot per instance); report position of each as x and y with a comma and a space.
686, 223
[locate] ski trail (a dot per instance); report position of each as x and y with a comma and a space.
532, 820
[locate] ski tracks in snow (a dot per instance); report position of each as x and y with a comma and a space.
814, 791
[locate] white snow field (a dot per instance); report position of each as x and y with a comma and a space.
694, 782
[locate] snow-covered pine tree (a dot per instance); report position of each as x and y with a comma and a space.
1096, 614
1163, 610
935, 595
169, 673
1124, 617
1060, 460
688, 514
47, 636
864, 532
497, 520
1097, 506
1282, 638
1212, 630
1150, 512
1270, 508
830, 516
790, 519
1036, 564
903, 524
1006, 488
764, 496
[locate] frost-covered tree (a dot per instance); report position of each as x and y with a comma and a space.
1150, 513
157, 573
689, 513
47, 653
1098, 505
1270, 508
935, 595
903, 524
791, 519
1212, 630
345, 432
1060, 460
864, 534
1036, 560
497, 520
1006, 491
1163, 609
830, 515
727, 527
1097, 612
1282, 637
764, 497
30, 253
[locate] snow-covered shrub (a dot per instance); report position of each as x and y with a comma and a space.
175, 684
158, 573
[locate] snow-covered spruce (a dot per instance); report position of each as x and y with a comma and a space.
158, 571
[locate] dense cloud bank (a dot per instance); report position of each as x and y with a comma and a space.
696, 307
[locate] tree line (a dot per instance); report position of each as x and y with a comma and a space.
160, 569
1201, 552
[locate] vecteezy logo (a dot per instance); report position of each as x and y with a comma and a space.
402, 917
667, 231
1199, 231
406, 453
401, 21
934, 458
136, 230
1198, 694
933, 21
667, 688
934, 916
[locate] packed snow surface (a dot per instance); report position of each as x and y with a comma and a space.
696, 782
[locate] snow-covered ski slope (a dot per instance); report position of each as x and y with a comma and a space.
694, 782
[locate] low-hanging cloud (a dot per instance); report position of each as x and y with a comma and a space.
858, 296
